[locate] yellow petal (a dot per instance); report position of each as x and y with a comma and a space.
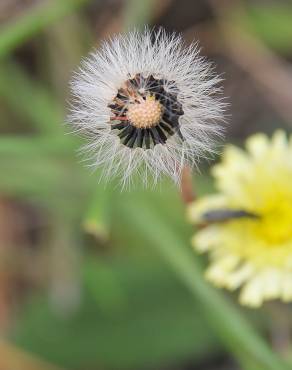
206, 238
258, 145
252, 293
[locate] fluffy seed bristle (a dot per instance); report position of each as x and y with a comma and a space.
152, 137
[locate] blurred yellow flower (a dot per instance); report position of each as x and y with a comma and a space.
248, 224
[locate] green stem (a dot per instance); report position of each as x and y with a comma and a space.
97, 218
231, 327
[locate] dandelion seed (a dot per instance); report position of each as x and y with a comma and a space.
248, 225
146, 104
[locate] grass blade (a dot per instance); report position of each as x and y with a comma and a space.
231, 327
14, 34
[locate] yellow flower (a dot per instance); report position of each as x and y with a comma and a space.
248, 224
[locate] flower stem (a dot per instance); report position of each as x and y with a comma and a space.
231, 327
187, 189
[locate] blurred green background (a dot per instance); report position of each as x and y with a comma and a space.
93, 278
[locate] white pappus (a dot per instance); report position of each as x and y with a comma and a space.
147, 104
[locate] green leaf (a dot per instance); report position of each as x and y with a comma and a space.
141, 317
34, 21
30, 99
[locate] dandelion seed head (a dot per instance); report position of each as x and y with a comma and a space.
146, 104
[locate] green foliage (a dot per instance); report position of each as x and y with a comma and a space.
154, 226
272, 23
124, 321
22, 29
144, 301
30, 99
